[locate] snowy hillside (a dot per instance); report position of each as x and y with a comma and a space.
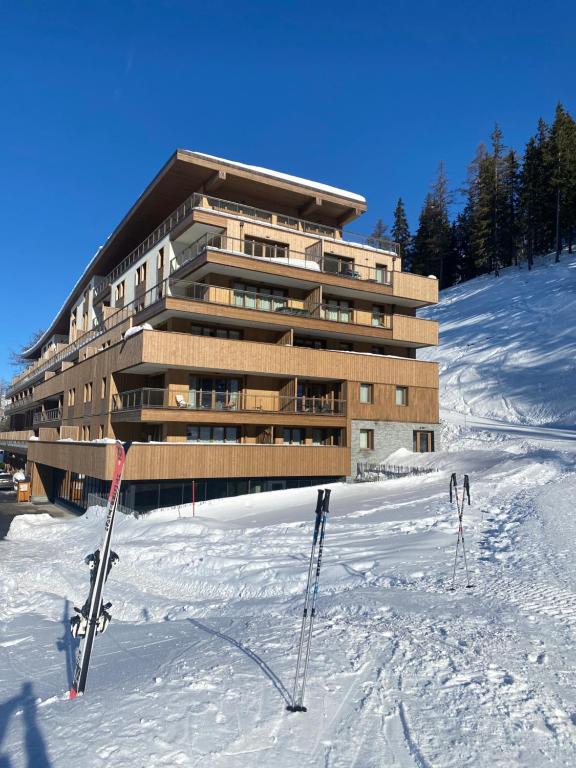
197, 666
508, 345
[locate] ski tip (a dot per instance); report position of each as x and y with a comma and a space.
73, 693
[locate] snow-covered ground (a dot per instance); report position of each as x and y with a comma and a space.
197, 666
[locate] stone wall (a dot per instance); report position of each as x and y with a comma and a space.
389, 436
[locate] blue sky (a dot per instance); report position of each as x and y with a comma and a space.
367, 96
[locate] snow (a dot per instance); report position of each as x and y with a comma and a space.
197, 666
507, 345
137, 329
284, 176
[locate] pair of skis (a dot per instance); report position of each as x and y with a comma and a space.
310, 597
93, 616
460, 501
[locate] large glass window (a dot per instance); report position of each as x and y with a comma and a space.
220, 333
265, 249
214, 393
259, 297
293, 436
339, 310
211, 434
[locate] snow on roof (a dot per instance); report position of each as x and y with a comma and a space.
285, 176
257, 169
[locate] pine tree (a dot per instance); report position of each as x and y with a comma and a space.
509, 222
401, 229
432, 249
378, 238
562, 154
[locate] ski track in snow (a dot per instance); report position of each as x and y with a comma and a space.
197, 666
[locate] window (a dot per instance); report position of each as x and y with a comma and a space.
366, 393
72, 396
339, 310
119, 291
367, 439
103, 388
85, 432
345, 346
382, 275
302, 341
259, 297
211, 434
266, 249
88, 392
220, 333
401, 395
378, 350
326, 437
214, 393
140, 277
380, 317
101, 431
423, 441
293, 436
160, 262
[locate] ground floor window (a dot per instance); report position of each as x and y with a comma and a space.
211, 434
423, 441
367, 439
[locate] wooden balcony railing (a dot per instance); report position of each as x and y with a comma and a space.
43, 417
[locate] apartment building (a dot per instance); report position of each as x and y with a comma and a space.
238, 336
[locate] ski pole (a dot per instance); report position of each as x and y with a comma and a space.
465, 493
293, 707
325, 510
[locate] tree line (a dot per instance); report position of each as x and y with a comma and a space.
514, 208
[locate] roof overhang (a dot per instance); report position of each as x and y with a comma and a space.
187, 172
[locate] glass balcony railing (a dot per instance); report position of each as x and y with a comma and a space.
201, 400
319, 257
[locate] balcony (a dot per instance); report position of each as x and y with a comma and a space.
273, 303
20, 404
318, 257
47, 417
226, 402
16, 441
173, 461
199, 201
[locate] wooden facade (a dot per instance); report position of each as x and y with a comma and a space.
256, 321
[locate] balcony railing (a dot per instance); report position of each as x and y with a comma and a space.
16, 439
72, 349
44, 417
315, 258
209, 400
198, 200
271, 302
17, 405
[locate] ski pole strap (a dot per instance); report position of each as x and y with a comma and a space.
318, 513
467, 487
453, 484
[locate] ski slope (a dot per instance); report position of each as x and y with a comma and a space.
507, 345
197, 666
